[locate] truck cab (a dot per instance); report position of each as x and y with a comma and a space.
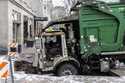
51, 54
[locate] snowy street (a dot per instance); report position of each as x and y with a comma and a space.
21, 77
24, 78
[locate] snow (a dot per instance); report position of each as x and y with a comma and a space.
21, 77
3, 57
58, 2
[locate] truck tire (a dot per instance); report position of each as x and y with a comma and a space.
67, 69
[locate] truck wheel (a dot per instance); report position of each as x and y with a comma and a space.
67, 69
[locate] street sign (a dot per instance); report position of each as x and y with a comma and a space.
41, 18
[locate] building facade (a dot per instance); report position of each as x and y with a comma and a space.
37, 6
47, 7
58, 12
17, 23
69, 4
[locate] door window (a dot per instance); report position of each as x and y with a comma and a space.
53, 46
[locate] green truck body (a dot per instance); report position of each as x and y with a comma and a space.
106, 24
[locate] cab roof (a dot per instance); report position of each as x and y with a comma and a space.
64, 20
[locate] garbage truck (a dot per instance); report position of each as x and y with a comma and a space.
91, 39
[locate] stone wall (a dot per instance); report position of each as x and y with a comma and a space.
3, 23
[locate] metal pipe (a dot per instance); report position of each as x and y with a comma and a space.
113, 53
11, 70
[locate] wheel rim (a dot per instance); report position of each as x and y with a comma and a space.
67, 72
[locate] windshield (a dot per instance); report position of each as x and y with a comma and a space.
110, 1
55, 27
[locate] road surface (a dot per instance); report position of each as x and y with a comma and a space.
21, 77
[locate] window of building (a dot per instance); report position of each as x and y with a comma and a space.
16, 26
